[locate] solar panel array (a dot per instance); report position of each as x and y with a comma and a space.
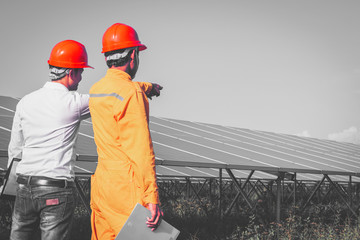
199, 150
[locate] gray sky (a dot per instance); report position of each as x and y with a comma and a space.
280, 66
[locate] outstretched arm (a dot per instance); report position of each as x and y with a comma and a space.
150, 89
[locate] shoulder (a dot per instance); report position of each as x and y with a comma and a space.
31, 97
95, 86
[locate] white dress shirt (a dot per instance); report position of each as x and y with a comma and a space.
44, 131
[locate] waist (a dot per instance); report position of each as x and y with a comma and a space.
52, 168
44, 181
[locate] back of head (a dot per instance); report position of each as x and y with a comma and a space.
118, 58
57, 73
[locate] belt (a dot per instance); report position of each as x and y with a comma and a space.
44, 181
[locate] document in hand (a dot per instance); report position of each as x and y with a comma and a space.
10, 184
135, 227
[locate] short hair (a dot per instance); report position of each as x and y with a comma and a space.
57, 73
118, 62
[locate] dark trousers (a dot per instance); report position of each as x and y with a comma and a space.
49, 207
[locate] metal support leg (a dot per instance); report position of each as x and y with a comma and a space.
197, 192
313, 193
350, 191
238, 194
239, 188
294, 190
220, 193
210, 187
188, 188
278, 199
340, 195
82, 196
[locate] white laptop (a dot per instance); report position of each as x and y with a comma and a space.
135, 227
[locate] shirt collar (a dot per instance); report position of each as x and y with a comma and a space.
55, 85
116, 73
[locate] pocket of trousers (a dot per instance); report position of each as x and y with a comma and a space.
56, 206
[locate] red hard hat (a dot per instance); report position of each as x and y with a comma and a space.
120, 36
69, 54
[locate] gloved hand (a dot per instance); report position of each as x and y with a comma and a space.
155, 90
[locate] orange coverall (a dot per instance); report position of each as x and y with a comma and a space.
125, 173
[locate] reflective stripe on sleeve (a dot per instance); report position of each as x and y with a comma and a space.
107, 95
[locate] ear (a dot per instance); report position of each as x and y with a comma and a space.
133, 52
71, 73
135, 57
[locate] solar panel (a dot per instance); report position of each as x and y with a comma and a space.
8, 103
197, 150
279, 152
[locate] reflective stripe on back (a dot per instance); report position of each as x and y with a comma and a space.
107, 95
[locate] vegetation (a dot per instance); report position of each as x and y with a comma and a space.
198, 218
318, 222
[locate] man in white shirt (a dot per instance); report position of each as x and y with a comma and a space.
43, 135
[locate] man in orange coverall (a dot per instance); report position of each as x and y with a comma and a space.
119, 108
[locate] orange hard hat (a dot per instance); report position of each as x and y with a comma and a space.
120, 36
69, 54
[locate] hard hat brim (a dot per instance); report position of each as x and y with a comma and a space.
122, 46
63, 64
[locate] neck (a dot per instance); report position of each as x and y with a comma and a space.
125, 68
122, 68
64, 81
